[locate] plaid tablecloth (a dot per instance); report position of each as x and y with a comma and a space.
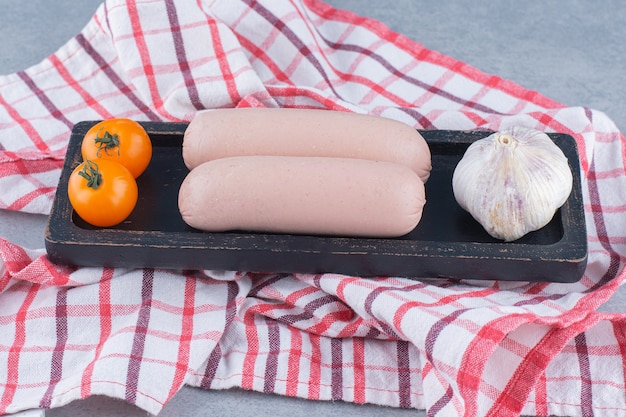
452, 347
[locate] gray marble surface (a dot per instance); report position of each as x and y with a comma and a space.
573, 52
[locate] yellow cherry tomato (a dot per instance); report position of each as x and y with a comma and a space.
102, 193
121, 140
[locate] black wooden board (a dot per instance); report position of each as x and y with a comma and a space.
447, 243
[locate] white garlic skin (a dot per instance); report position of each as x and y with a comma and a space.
512, 182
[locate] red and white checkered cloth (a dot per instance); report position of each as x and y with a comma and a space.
454, 348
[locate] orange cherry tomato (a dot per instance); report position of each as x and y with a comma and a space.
102, 193
121, 140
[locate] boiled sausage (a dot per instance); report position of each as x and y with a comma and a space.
302, 195
223, 133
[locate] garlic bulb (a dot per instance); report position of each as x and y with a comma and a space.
512, 182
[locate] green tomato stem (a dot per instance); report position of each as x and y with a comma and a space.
91, 174
107, 142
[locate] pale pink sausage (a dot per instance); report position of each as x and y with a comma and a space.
223, 133
302, 195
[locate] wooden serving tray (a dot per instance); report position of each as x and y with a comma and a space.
447, 243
